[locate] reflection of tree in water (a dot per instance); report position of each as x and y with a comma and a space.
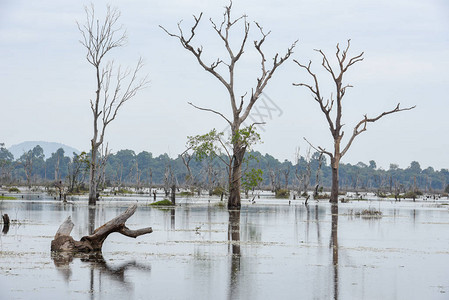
334, 246
234, 242
62, 261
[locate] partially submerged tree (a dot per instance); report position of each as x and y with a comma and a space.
114, 86
214, 145
226, 75
63, 241
332, 108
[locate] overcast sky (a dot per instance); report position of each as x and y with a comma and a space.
46, 83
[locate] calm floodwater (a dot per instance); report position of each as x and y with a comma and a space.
270, 250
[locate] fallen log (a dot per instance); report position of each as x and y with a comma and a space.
94, 242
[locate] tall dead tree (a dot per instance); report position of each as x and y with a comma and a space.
329, 105
227, 78
114, 86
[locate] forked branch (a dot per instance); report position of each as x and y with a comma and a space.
361, 126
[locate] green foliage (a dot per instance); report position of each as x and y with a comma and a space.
124, 191
322, 196
207, 145
252, 179
218, 191
246, 137
13, 190
186, 194
371, 212
282, 193
164, 202
412, 194
214, 144
7, 198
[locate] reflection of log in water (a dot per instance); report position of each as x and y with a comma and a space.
334, 245
234, 241
62, 261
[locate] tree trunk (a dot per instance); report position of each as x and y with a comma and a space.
93, 178
236, 175
94, 242
334, 191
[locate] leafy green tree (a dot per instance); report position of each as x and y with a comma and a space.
6, 163
214, 145
77, 171
31, 160
251, 179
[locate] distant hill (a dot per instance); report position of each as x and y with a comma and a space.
49, 148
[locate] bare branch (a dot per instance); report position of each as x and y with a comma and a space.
211, 110
318, 149
361, 126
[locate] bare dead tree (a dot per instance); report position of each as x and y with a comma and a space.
329, 109
286, 173
114, 86
317, 175
186, 159
239, 111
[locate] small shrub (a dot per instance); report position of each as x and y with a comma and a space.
220, 204
282, 193
164, 202
124, 191
186, 194
412, 194
370, 213
218, 191
13, 190
304, 194
322, 196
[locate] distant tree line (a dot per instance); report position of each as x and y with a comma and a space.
125, 168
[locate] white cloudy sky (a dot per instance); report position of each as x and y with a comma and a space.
46, 83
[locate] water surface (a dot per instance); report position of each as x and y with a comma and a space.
199, 250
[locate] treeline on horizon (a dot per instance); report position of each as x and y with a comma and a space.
125, 168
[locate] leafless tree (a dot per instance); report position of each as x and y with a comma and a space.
286, 173
114, 86
333, 108
227, 78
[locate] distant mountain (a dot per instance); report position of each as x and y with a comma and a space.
49, 148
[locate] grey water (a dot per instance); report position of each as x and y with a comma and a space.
273, 249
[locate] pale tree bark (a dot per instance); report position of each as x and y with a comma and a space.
114, 86
240, 112
332, 108
63, 241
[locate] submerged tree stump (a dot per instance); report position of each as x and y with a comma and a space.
91, 243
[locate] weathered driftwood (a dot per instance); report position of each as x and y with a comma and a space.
64, 242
